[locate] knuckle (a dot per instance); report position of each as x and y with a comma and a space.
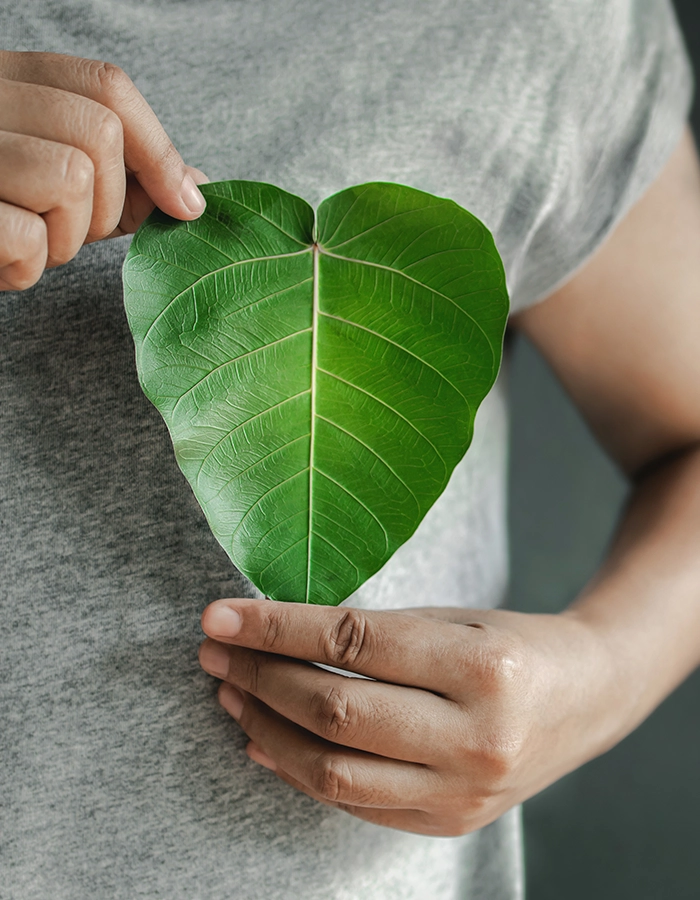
113, 84
78, 172
500, 667
272, 630
334, 715
109, 131
455, 826
30, 236
113, 88
461, 814
27, 243
497, 759
348, 643
250, 673
332, 778
475, 808
19, 277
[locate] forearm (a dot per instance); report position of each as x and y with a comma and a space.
644, 603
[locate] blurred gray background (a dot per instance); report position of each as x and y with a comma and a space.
625, 826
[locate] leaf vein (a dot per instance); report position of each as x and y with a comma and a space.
201, 278
391, 408
340, 553
357, 500
383, 337
253, 465
280, 555
256, 212
374, 453
396, 215
277, 525
363, 262
346, 214
243, 424
262, 497
201, 238
236, 359
266, 297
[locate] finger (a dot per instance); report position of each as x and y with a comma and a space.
393, 647
55, 115
341, 776
138, 205
415, 820
197, 175
397, 722
23, 247
148, 151
419, 821
53, 180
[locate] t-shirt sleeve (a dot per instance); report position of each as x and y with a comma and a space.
617, 143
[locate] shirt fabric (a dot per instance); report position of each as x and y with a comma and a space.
121, 776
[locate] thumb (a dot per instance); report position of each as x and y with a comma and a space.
138, 205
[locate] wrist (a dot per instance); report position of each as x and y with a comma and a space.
624, 676
592, 680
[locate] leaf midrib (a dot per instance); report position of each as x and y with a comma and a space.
314, 368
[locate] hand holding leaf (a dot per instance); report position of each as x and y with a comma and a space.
464, 713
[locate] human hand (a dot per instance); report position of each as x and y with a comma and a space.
82, 157
471, 711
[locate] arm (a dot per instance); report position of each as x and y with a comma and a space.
624, 338
462, 723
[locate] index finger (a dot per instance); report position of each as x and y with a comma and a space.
148, 151
394, 647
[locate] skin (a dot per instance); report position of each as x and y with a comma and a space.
468, 712
472, 712
82, 157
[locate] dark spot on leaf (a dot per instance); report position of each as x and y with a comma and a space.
226, 219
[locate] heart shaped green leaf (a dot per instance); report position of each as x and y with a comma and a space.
319, 380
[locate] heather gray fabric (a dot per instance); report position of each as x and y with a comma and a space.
121, 777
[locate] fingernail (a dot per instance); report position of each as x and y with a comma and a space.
214, 658
231, 699
191, 196
198, 176
224, 621
260, 757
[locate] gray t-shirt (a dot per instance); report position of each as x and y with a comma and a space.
121, 777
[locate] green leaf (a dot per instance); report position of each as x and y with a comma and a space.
319, 380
